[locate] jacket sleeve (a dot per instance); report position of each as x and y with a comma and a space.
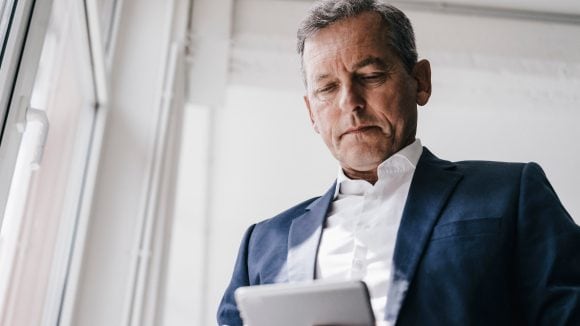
228, 313
547, 254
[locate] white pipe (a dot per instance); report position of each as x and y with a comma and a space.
150, 217
140, 267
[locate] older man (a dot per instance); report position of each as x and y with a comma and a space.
436, 242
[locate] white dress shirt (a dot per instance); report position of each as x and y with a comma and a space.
358, 237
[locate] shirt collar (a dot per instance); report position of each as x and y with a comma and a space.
404, 160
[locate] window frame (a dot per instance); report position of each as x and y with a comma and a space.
57, 271
6, 18
22, 54
138, 288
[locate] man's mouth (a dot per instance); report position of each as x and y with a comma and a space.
358, 130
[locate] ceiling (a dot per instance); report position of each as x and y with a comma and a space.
559, 6
550, 6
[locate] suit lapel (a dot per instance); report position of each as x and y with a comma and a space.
304, 239
433, 182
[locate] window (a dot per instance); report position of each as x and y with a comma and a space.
23, 31
56, 108
42, 209
6, 14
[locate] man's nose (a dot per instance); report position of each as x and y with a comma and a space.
351, 98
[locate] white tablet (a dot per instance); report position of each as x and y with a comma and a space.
306, 304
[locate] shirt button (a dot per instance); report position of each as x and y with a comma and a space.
358, 264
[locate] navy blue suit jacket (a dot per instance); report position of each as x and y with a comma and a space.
480, 243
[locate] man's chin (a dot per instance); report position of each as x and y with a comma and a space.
363, 164
367, 153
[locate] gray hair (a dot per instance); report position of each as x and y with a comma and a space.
326, 12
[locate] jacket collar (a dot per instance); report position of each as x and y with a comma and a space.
304, 239
433, 182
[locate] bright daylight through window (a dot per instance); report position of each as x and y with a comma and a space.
40, 219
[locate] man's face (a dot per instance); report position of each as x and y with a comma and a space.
360, 98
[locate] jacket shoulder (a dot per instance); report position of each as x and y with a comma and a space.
490, 166
492, 170
286, 217
477, 168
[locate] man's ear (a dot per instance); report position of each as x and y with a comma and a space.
312, 121
422, 74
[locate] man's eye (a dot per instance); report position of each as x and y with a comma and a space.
373, 78
326, 89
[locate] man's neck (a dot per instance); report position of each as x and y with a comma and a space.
370, 176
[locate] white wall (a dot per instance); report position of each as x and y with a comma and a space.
502, 90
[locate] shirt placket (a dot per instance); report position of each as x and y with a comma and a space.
360, 250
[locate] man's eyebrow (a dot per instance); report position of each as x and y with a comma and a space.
371, 61
321, 77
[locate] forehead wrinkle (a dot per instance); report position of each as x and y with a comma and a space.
324, 65
370, 61
318, 50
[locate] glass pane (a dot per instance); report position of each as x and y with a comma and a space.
6, 14
43, 201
